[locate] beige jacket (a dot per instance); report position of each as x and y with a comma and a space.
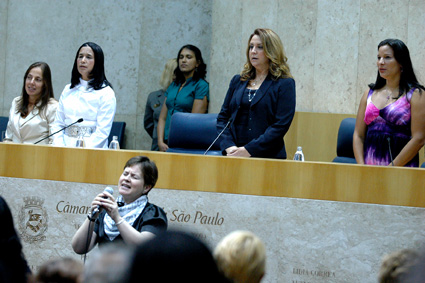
31, 128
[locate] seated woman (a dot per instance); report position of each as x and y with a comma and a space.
32, 114
89, 96
189, 92
130, 217
260, 103
391, 117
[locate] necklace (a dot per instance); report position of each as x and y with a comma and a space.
255, 82
390, 95
251, 96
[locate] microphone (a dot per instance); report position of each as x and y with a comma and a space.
78, 121
219, 135
98, 208
389, 149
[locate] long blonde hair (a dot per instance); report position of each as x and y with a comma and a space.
273, 49
168, 73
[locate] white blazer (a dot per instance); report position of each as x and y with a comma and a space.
32, 128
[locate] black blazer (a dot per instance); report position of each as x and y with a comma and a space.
271, 114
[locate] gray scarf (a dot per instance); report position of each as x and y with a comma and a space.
129, 212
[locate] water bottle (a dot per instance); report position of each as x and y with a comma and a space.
80, 142
299, 155
114, 143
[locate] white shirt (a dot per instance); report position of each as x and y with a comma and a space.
96, 107
32, 128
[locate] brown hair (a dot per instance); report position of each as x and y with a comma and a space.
148, 168
46, 93
273, 49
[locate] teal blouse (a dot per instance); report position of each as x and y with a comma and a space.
182, 101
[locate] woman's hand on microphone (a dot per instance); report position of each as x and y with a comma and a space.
108, 203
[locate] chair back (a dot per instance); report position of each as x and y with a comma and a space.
118, 129
193, 133
3, 125
344, 147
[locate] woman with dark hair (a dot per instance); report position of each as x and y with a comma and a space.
174, 256
260, 103
13, 266
89, 96
391, 117
32, 114
131, 217
189, 92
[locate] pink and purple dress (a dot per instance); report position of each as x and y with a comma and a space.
387, 127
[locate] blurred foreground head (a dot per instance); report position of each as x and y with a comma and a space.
174, 257
241, 257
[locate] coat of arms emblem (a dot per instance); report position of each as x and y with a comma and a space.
33, 220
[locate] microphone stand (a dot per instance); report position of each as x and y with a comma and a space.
78, 121
219, 135
389, 148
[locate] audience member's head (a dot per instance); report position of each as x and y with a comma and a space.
396, 266
108, 264
174, 257
13, 266
60, 270
241, 257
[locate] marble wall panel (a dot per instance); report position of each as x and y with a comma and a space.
39, 31
306, 240
3, 36
336, 49
116, 28
297, 29
227, 49
416, 37
378, 21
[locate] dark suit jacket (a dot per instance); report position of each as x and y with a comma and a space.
271, 114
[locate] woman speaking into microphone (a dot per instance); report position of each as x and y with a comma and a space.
130, 218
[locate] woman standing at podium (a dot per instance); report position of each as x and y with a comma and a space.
89, 96
391, 117
32, 114
260, 103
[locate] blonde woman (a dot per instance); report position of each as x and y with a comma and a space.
260, 103
155, 101
241, 257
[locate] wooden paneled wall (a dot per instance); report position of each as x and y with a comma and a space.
251, 176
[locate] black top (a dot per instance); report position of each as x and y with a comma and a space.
152, 219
